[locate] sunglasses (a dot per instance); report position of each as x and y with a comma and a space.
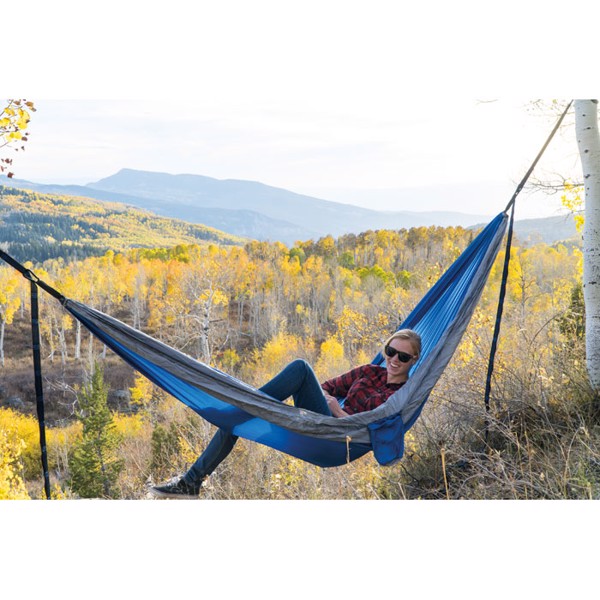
402, 356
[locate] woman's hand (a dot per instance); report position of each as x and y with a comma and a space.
334, 406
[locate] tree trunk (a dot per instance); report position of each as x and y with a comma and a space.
78, 340
588, 141
204, 333
2, 324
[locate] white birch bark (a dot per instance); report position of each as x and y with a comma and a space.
588, 141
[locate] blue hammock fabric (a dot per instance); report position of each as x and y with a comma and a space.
440, 318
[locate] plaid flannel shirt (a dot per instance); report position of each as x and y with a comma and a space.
364, 388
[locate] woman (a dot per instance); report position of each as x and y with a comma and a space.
364, 388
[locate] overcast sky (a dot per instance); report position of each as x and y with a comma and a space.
349, 101
470, 152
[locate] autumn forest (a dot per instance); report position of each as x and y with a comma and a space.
250, 307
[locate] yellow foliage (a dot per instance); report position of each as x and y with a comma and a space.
188, 452
12, 486
10, 299
229, 360
368, 478
332, 360
22, 430
60, 439
359, 332
25, 429
352, 327
14, 118
332, 347
128, 426
278, 351
286, 478
141, 392
573, 200
362, 358
57, 493
276, 354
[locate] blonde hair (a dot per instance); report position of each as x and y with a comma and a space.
407, 334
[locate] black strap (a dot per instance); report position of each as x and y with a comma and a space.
35, 281
488, 381
31, 276
511, 206
39, 390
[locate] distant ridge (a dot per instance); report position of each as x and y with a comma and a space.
245, 208
37, 226
549, 230
252, 209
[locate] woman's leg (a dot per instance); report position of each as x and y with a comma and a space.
214, 454
297, 380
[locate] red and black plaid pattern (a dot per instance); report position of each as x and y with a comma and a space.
364, 388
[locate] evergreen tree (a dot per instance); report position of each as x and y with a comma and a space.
94, 462
165, 449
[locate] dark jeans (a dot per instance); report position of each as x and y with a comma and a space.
297, 380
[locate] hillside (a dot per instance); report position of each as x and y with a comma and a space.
37, 227
261, 212
548, 230
247, 208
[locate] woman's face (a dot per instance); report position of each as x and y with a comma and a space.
397, 371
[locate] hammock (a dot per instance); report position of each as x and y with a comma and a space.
440, 318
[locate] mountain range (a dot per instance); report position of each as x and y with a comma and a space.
258, 211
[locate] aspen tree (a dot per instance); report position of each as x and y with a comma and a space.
588, 141
10, 302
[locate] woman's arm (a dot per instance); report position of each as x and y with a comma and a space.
338, 388
334, 406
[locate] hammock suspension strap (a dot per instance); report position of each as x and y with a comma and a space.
511, 206
37, 360
39, 389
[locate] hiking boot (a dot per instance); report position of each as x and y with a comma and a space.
178, 489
